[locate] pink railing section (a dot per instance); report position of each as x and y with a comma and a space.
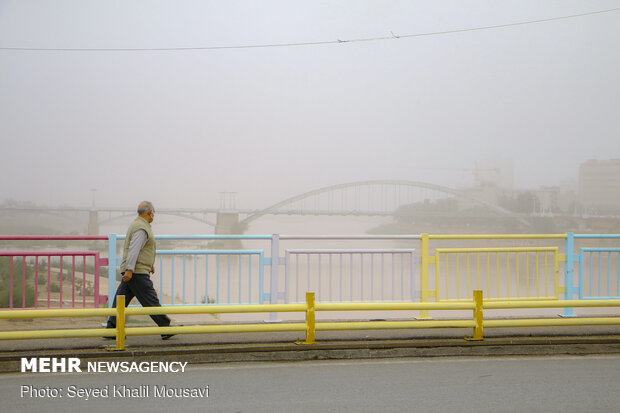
53, 238
26, 258
97, 262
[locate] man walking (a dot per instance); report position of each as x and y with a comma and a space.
137, 265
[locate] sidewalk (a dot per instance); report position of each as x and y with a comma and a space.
245, 347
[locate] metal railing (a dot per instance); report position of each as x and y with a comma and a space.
227, 277
502, 273
350, 274
216, 276
278, 286
49, 274
368, 268
596, 281
354, 268
310, 326
596, 277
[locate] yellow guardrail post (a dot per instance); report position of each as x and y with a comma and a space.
120, 324
478, 316
310, 319
424, 262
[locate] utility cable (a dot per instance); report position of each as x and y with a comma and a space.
317, 43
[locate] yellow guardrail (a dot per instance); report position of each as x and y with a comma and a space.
310, 326
70, 312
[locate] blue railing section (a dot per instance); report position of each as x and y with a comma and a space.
212, 276
227, 271
596, 278
218, 276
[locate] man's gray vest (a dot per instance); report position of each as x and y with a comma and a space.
146, 258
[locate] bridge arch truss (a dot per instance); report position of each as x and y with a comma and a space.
372, 198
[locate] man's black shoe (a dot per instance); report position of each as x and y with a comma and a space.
168, 336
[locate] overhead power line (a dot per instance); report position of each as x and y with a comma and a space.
338, 41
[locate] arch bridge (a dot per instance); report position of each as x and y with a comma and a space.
372, 198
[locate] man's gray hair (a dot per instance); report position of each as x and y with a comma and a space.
145, 206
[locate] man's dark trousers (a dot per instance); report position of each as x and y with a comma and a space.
141, 287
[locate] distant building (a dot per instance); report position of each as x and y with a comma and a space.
548, 198
567, 199
599, 186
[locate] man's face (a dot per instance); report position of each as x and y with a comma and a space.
150, 216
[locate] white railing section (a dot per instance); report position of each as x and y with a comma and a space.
350, 275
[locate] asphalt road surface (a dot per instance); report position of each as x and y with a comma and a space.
532, 384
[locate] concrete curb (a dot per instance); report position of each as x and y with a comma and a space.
334, 350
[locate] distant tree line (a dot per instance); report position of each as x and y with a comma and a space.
446, 215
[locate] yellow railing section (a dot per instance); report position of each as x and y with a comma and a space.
309, 326
512, 273
503, 273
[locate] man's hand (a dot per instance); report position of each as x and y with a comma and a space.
153, 270
127, 276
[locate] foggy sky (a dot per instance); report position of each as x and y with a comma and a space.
177, 127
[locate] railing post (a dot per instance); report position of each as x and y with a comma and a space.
120, 323
424, 261
413, 258
478, 316
275, 263
111, 268
11, 283
569, 265
96, 280
286, 277
310, 319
